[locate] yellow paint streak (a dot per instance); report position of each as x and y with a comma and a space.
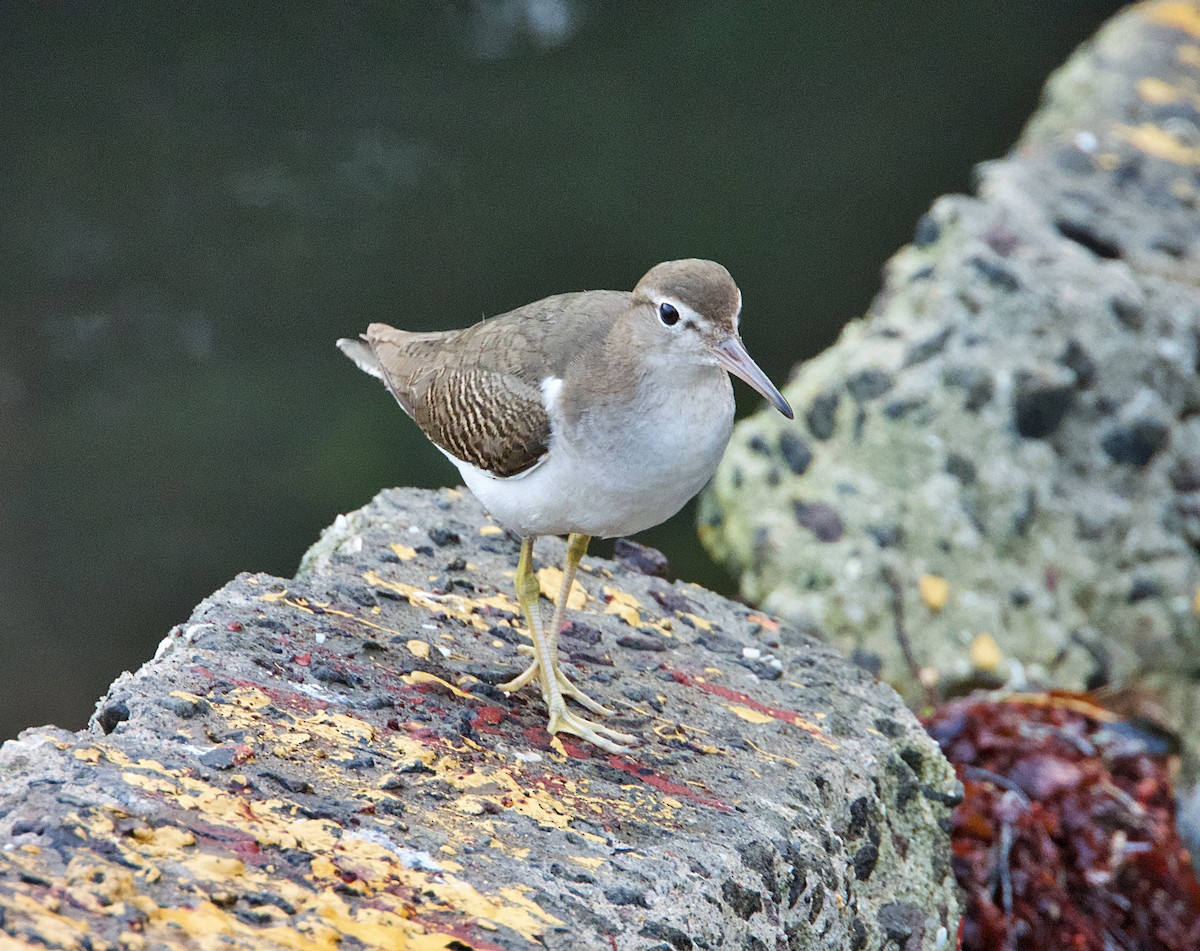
985, 653
490, 531
501, 786
703, 624
419, 649
209, 875
934, 590
1188, 55
165, 840
216, 868
1181, 16
1159, 93
774, 757
1196, 602
589, 863
325, 917
550, 581
470, 805
95, 879
150, 784
1182, 189
423, 677
624, 605
682, 733
342, 725
748, 714
403, 552
301, 605
56, 930
1159, 143
452, 605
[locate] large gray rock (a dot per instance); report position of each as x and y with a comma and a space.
326, 762
1002, 460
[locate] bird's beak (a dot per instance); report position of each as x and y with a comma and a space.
731, 354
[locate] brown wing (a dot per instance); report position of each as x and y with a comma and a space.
495, 421
476, 392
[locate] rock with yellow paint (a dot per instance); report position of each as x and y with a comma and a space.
1009, 441
326, 761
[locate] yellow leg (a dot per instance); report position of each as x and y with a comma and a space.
576, 548
554, 682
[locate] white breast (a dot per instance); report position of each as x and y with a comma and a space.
617, 473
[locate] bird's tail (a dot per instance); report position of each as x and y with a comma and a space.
364, 357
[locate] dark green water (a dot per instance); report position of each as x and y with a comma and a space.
195, 206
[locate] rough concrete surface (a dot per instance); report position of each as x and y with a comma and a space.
326, 762
1010, 440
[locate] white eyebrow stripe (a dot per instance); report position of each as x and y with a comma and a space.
685, 313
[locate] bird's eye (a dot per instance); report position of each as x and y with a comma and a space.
668, 314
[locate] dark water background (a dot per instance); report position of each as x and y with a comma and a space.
196, 200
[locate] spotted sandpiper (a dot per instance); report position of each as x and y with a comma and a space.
591, 414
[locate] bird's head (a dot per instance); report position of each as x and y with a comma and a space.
688, 310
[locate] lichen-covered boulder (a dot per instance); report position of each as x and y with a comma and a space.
327, 762
995, 476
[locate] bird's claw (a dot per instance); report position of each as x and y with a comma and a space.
563, 720
565, 684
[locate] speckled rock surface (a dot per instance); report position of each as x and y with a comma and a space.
325, 762
1010, 440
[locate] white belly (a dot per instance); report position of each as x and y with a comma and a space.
616, 480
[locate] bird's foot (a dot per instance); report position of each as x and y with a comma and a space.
519, 681
565, 684
563, 720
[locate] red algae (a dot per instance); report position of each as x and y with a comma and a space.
1066, 836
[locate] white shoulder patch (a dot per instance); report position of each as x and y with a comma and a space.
551, 387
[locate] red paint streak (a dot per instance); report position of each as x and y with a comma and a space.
537, 737
491, 715
646, 775
577, 750
611, 940
244, 847
242, 844
303, 659
289, 699
234, 626
485, 719
797, 720
549, 782
467, 934
769, 623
